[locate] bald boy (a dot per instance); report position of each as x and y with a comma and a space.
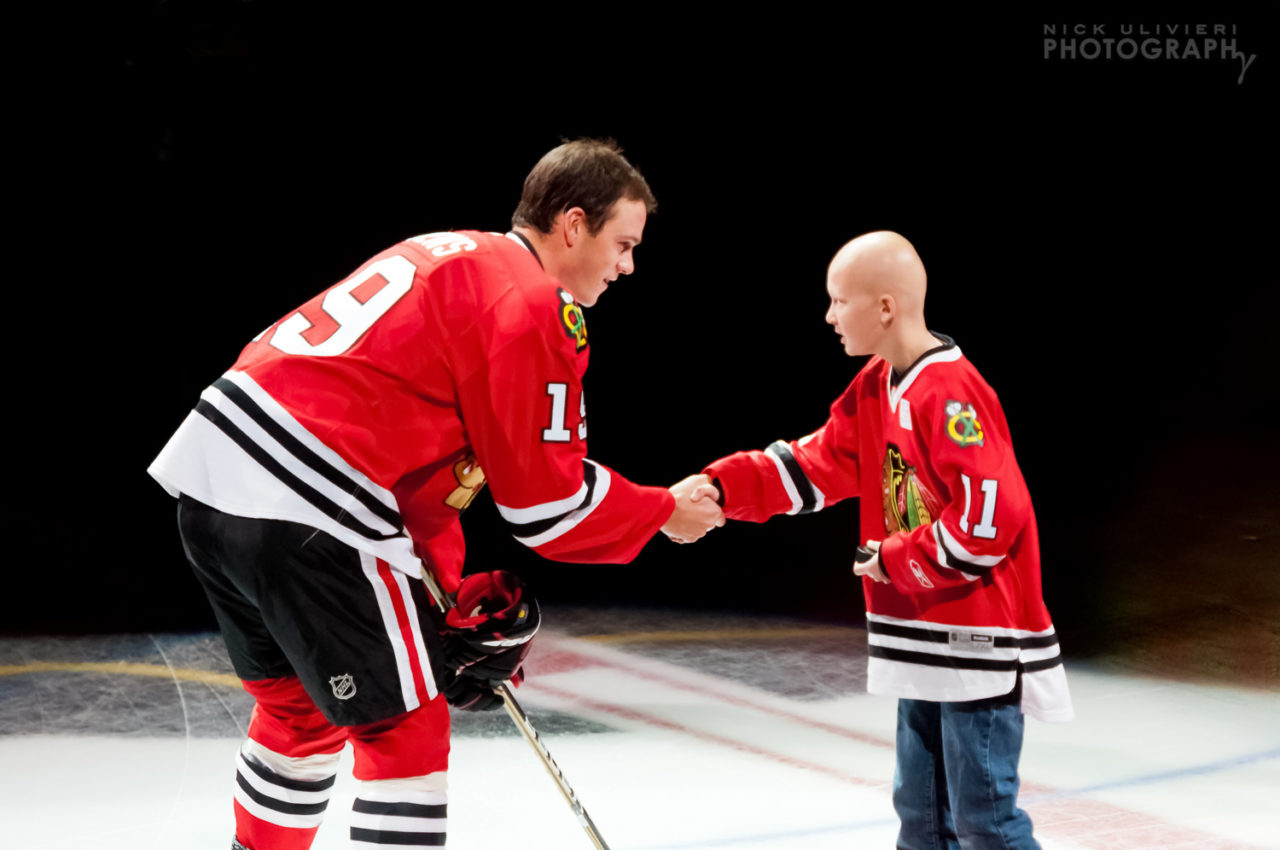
956, 626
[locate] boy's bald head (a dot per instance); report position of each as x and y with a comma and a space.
879, 263
877, 288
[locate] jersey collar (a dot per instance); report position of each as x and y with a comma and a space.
520, 238
897, 385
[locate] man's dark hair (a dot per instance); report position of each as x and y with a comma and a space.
587, 173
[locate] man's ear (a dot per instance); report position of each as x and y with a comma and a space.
572, 225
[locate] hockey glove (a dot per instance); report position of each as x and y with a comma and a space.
469, 694
491, 628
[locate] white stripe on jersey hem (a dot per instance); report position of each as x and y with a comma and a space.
947, 355
304, 768
940, 627
787, 483
1044, 692
1040, 653
953, 545
203, 462
572, 519
294, 427
289, 461
1045, 695
392, 626
1001, 653
887, 677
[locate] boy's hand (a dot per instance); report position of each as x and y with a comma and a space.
867, 562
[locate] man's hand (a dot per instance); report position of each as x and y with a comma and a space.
468, 693
867, 562
490, 630
697, 511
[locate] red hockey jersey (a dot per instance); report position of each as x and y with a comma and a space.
929, 454
378, 409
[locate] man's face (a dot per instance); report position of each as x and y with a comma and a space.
596, 261
854, 314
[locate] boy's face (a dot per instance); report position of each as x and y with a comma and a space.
854, 314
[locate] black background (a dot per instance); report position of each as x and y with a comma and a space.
1098, 236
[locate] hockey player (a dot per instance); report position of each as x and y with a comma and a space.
956, 624
323, 473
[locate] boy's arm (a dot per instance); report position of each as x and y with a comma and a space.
794, 477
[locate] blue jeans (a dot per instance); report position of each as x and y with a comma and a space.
956, 781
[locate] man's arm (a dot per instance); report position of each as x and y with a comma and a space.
526, 416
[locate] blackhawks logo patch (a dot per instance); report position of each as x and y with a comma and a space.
908, 502
571, 318
962, 424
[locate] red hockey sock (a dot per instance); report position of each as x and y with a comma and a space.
286, 769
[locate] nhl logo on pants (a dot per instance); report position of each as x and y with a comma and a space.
344, 687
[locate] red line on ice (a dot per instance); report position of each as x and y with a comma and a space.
1091, 823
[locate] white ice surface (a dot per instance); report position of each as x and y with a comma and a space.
702, 762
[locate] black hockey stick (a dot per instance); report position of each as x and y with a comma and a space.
518, 717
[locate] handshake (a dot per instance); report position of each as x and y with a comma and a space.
697, 509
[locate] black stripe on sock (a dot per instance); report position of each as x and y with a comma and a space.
285, 782
404, 810
279, 805
398, 839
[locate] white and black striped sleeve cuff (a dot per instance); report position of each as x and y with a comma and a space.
805, 497
951, 554
543, 523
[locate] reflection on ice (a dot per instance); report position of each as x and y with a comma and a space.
676, 730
